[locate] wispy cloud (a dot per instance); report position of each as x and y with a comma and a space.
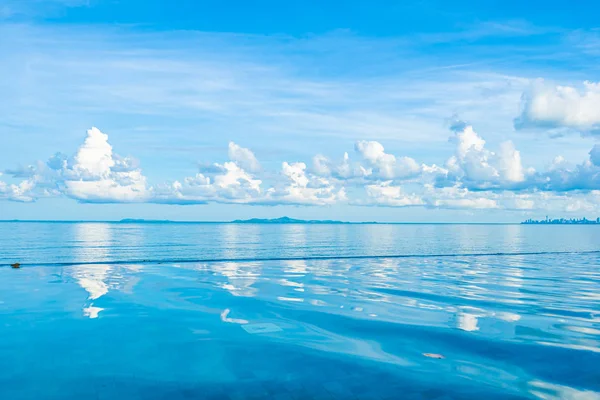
193, 88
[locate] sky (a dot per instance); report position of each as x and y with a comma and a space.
413, 111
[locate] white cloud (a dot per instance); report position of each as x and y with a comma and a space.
384, 165
568, 203
94, 157
95, 175
378, 165
345, 170
120, 187
474, 178
236, 178
243, 157
22, 192
386, 194
322, 165
563, 177
304, 188
467, 140
457, 197
374, 152
296, 173
553, 106
225, 183
479, 168
509, 163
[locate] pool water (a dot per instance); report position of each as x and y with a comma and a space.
113, 311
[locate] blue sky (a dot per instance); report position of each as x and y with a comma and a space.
389, 111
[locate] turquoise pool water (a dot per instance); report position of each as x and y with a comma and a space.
221, 311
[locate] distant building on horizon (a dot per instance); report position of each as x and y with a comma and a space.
562, 221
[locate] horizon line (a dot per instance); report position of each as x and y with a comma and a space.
285, 220
260, 221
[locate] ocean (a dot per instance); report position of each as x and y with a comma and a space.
296, 311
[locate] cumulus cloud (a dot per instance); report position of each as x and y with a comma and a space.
94, 157
230, 182
345, 170
96, 175
479, 168
567, 202
457, 197
121, 187
474, 177
509, 163
374, 165
384, 165
22, 192
243, 157
563, 176
93, 174
303, 188
476, 168
223, 183
386, 194
554, 106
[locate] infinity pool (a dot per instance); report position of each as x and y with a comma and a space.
83, 322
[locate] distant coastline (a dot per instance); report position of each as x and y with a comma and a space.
258, 221
562, 221
288, 220
281, 220
291, 221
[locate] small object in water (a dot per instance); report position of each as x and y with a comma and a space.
433, 355
15, 265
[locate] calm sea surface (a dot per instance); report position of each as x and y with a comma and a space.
226, 311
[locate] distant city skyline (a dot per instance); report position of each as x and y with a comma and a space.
419, 111
555, 221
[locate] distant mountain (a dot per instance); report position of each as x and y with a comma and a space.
143, 221
285, 220
282, 220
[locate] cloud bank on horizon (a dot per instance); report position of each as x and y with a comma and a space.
474, 177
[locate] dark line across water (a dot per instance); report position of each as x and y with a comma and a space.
307, 258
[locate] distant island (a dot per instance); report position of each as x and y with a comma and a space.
282, 220
285, 220
144, 221
562, 221
288, 220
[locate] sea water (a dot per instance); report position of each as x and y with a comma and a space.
243, 311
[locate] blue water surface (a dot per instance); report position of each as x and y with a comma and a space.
236, 311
